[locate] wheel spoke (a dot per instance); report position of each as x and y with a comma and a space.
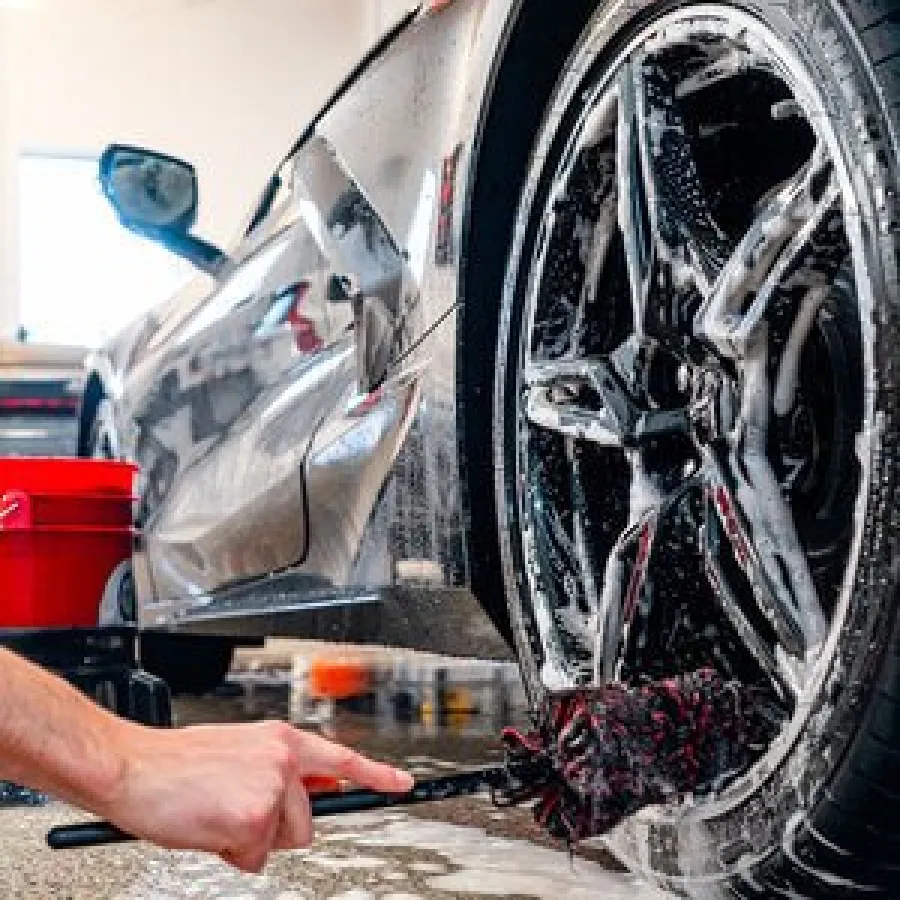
737, 302
658, 175
632, 193
580, 531
759, 526
775, 667
597, 242
622, 588
788, 377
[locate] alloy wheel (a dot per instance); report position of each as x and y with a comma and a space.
691, 381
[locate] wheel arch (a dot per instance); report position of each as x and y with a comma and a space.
538, 41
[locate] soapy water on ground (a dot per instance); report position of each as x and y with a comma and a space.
378, 856
462, 854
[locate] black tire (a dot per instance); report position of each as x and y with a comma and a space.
189, 664
824, 821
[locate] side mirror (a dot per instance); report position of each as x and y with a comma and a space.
155, 196
150, 192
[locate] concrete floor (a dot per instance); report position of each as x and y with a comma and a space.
457, 849
467, 850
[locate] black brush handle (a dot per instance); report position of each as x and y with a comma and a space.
95, 834
85, 834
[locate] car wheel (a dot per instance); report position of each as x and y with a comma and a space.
696, 418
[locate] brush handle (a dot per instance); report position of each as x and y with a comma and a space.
95, 834
85, 834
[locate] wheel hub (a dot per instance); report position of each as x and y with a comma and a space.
712, 405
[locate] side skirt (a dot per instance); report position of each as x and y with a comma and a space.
441, 620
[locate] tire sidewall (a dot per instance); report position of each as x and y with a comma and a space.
685, 852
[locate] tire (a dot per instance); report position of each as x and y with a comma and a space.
189, 664
655, 515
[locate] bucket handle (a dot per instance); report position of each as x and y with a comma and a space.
15, 511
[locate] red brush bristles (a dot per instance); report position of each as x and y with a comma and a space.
609, 751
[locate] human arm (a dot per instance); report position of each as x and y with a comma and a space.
234, 790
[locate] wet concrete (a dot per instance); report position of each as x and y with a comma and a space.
395, 856
457, 849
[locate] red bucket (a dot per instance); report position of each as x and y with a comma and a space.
66, 529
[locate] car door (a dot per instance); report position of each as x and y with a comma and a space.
250, 376
227, 415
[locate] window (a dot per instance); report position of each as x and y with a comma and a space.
83, 277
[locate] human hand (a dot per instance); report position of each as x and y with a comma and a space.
233, 790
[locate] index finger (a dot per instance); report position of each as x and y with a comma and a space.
318, 756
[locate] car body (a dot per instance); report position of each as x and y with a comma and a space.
298, 416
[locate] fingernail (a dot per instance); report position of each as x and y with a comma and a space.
404, 780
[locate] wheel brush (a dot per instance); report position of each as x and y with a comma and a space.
594, 757
612, 750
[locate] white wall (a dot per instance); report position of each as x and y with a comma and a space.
223, 83
8, 243
382, 14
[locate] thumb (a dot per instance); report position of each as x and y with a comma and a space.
250, 861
